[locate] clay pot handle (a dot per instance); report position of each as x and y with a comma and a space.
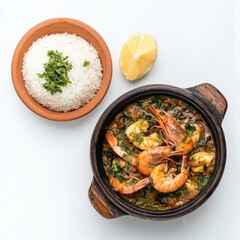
101, 203
212, 95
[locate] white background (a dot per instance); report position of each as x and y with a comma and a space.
45, 167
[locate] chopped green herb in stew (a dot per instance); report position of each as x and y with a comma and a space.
158, 153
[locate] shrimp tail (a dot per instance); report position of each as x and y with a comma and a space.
141, 184
112, 141
127, 187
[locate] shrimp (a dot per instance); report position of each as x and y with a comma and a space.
148, 159
165, 181
201, 159
112, 141
172, 131
135, 133
128, 187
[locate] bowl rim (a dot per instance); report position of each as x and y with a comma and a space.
37, 107
132, 96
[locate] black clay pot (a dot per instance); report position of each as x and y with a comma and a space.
207, 100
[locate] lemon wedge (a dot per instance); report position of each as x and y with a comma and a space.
138, 55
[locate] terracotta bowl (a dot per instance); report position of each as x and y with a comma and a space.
207, 100
61, 25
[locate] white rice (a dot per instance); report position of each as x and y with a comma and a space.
85, 81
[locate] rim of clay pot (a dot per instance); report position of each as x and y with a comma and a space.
210, 116
61, 25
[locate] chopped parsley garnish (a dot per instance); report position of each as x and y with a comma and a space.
202, 181
139, 137
86, 63
189, 129
147, 189
165, 197
133, 182
115, 167
55, 72
117, 171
